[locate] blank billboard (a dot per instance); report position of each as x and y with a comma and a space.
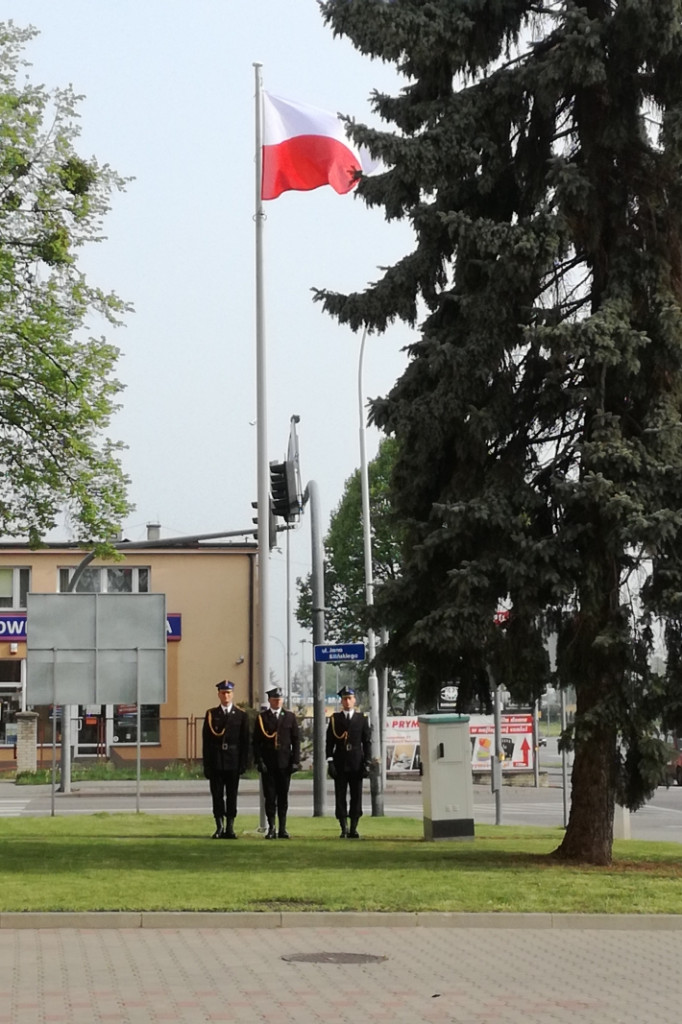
96, 648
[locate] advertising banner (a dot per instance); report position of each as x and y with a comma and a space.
402, 744
516, 739
516, 728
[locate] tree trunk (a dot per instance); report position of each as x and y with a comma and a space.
589, 833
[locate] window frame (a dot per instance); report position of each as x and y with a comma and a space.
15, 599
103, 570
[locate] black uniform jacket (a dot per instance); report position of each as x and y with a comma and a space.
225, 741
348, 743
276, 740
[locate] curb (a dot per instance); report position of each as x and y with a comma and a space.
340, 919
175, 787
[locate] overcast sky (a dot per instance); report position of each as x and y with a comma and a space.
168, 92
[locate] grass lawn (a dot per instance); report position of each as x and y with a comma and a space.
148, 862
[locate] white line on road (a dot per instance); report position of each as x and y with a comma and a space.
12, 808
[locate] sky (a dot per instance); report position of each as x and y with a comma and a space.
168, 100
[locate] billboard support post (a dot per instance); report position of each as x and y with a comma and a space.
138, 752
54, 729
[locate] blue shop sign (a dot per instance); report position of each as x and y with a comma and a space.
173, 626
13, 626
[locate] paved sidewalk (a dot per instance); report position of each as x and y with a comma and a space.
488, 973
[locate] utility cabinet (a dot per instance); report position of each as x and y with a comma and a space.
447, 786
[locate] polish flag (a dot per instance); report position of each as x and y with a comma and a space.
305, 147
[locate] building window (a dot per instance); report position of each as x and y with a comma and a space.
125, 723
107, 580
10, 701
14, 586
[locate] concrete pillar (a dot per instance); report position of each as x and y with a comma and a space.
27, 741
621, 823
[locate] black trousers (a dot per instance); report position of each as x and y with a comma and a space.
224, 787
276, 792
348, 783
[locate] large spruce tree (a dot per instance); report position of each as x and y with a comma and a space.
536, 149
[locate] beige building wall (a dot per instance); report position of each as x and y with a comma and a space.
214, 590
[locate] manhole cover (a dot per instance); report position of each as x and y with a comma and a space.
333, 958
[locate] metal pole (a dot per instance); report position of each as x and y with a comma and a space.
376, 787
319, 702
65, 764
564, 760
383, 710
263, 468
305, 696
67, 712
139, 730
499, 754
54, 727
287, 675
22, 671
552, 653
293, 456
278, 641
536, 745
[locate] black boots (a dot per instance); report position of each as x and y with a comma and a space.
344, 828
353, 833
225, 831
228, 832
273, 834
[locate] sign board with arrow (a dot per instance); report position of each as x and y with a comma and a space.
516, 737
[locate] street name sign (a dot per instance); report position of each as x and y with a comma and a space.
339, 652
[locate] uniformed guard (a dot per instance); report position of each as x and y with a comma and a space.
277, 754
225, 739
349, 755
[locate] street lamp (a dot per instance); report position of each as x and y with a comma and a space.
284, 662
304, 695
376, 719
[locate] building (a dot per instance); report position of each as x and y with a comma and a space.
211, 598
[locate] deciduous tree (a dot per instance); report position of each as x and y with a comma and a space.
57, 392
344, 572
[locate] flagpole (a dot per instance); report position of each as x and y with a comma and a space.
261, 410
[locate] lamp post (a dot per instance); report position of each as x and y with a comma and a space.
284, 661
376, 780
305, 694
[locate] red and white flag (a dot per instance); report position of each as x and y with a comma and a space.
305, 147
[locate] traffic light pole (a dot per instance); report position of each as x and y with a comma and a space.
319, 701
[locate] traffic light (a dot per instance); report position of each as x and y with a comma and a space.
284, 491
272, 524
